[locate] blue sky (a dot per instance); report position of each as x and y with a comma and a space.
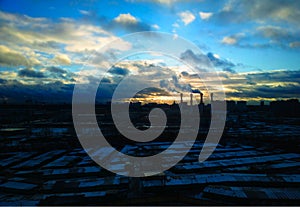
246, 39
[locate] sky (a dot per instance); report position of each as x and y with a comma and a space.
253, 45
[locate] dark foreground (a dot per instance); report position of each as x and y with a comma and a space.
257, 162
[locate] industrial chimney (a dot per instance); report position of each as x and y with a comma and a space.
201, 98
191, 99
181, 98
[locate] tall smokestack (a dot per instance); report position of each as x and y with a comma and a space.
201, 98
181, 98
211, 97
191, 99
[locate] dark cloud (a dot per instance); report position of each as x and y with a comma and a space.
238, 11
48, 74
275, 76
156, 71
229, 69
105, 91
278, 92
224, 64
285, 91
95, 80
274, 33
55, 92
164, 84
273, 84
111, 24
3, 81
174, 85
59, 74
270, 14
119, 71
197, 59
280, 36
181, 86
272, 36
47, 44
196, 91
188, 75
137, 27
31, 73
152, 91
184, 73
202, 61
56, 70
105, 80
250, 83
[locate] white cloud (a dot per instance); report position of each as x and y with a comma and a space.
232, 39
294, 44
205, 15
126, 19
164, 2
20, 19
155, 26
168, 2
35, 41
176, 25
186, 17
84, 12
229, 40
216, 56
11, 57
62, 59
274, 32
